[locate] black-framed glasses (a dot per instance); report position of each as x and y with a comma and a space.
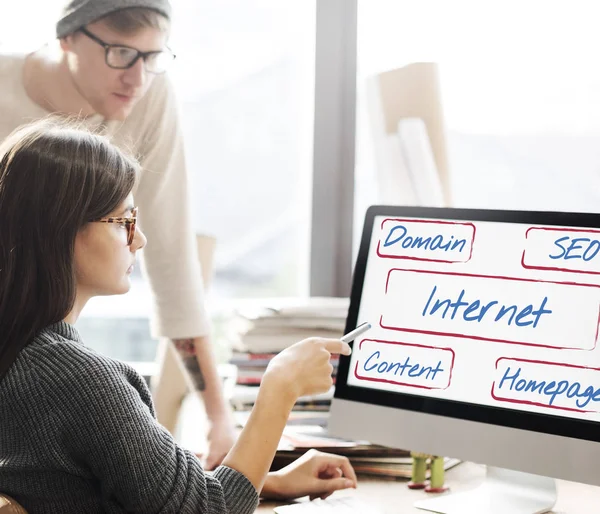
122, 57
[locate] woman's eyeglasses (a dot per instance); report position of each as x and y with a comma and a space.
123, 57
129, 222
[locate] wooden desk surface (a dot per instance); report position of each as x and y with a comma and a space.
393, 497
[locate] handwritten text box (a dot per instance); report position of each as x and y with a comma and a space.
547, 384
426, 240
491, 308
562, 249
406, 364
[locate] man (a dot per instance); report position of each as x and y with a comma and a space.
108, 69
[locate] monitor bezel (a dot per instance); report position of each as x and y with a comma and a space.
511, 418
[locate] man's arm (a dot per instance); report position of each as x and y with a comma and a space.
199, 361
186, 348
170, 258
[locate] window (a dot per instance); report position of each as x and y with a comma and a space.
245, 73
520, 91
20, 31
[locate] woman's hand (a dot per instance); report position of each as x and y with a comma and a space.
299, 370
315, 474
304, 368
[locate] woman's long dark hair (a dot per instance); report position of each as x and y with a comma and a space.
54, 179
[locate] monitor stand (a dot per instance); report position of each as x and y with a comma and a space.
503, 491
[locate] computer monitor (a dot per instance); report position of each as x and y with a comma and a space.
484, 347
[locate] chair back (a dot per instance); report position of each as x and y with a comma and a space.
408, 94
10, 506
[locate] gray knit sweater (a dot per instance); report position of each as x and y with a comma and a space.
78, 435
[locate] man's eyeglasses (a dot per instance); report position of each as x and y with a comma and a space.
123, 57
129, 222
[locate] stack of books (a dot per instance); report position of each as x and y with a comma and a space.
251, 368
270, 328
244, 398
366, 459
304, 432
262, 331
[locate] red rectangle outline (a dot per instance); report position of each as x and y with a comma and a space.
383, 256
480, 338
386, 381
550, 268
524, 402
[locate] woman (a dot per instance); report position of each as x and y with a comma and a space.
78, 432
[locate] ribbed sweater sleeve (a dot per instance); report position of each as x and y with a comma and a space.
110, 430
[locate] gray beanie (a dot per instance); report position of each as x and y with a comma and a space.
78, 13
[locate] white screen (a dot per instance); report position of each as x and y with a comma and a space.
489, 313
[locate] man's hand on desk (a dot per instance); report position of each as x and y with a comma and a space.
315, 474
221, 437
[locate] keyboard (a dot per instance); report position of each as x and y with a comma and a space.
344, 505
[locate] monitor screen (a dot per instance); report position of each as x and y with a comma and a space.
488, 316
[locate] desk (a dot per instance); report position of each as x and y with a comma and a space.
393, 497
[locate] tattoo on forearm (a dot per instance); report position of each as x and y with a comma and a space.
187, 352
